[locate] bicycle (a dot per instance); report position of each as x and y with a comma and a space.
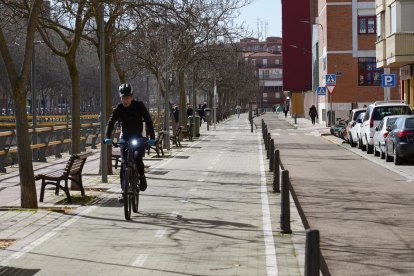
130, 177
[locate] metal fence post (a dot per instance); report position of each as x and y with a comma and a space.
276, 172
272, 155
312, 253
285, 204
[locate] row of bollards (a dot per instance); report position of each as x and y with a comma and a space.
280, 185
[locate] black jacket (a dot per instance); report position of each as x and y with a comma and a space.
131, 119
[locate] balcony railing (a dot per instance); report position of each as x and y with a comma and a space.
400, 49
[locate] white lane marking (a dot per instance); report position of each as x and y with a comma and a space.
174, 214
200, 180
45, 237
271, 261
186, 200
210, 168
205, 173
160, 233
293, 134
277, 134
140, 260
195, 189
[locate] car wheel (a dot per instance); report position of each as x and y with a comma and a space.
369, 147
388, 158
376, 153
351, 140
397, 159
382, 154
359, 143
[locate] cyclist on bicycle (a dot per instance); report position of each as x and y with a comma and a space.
131, 114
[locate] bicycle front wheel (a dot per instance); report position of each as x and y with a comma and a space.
126, 194
135, 192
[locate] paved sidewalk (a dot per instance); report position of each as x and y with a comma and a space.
30, 226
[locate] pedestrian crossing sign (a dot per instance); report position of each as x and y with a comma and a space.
330, 79
321, 91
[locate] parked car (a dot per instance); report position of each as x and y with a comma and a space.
381, 133
351, 123
399, 143
339, 128
373, 116
354, 131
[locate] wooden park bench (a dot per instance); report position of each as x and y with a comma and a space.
158, 144
176, 137
72, 171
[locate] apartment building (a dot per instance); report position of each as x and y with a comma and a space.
342, 42
266, 56
395, 42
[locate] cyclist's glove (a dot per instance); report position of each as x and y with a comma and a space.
107, 141
151, 142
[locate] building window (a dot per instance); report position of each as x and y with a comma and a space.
264, 62
277, 62
253, 62
369, 74
266, 74
366, 24
393, 18
380, 29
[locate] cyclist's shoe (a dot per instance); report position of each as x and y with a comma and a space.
143, 183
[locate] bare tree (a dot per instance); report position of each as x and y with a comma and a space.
18, 78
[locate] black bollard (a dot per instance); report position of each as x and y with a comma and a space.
269, 137
285, 204
265, 138
312, 253
272, 155
276, 172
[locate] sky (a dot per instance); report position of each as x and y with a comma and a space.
269, 11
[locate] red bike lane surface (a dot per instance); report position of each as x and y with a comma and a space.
365, 213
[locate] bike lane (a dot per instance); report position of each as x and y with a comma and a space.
207, 211
364, 212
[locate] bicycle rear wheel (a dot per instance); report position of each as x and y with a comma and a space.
126, 194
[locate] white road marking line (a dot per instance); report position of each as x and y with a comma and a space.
160, 233
277, 134
210, 168
293, 134
205, 173
44, 238
140, 260
195, 189
270, 250
200, 180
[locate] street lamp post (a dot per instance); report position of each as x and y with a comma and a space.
34, 96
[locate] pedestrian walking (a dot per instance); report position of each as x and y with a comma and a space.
313, 113
238, 107
285, 110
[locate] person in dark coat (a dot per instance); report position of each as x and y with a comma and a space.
313, 113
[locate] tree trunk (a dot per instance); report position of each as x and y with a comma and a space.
27, 183
108, 94
75, 110
182, 99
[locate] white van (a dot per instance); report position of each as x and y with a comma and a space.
373, 116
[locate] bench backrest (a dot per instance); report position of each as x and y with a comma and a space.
75, 164
160, 137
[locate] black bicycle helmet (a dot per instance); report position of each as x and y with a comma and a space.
125, 89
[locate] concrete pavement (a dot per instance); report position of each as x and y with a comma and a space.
208, 207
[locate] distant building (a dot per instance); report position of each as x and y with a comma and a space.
266, 56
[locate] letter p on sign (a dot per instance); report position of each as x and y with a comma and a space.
388, 80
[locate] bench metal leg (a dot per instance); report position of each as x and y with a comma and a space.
42, 190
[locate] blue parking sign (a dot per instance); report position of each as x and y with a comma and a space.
388, 80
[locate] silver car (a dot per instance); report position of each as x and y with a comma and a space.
381, 133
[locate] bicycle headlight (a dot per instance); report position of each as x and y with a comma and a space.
134, 142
